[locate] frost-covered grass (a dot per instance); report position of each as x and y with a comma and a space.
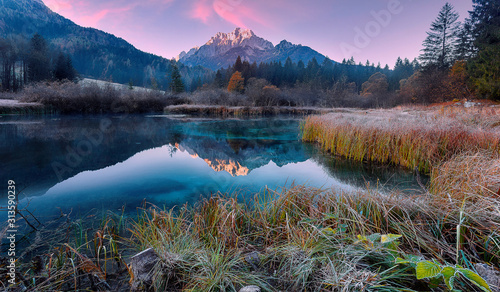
312, 240
96, 98
242, 111
412, 138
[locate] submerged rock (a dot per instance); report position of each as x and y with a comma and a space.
143, 266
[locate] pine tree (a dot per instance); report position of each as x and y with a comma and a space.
439, 46
465, 48
238, 65
219, 82
237, 83
38, 60
176, 84
485, 67
64, 68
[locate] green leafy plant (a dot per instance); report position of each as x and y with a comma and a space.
434, 271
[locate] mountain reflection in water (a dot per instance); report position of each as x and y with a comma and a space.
168, 161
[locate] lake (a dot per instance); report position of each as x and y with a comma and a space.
82, 163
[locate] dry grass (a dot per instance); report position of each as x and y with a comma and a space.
91, 98
241, 111
308, 239
468, 176
412, 138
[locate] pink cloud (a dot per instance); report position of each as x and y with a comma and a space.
235, 12
229, 12
201, 10
93, 20
59, 5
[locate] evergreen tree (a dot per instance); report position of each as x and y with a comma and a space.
176, 84
465, 48
38, 60
238, 65
219, 82
64, 68
439, 46
485, 68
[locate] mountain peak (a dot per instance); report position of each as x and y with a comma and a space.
236, 37
285, 45
243, 32
223, 49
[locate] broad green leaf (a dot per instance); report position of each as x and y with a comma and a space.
342, 228
449, 276
426, 269
475, 278
386, 238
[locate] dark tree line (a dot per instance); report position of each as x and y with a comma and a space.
24, 62
324, 76
460, 60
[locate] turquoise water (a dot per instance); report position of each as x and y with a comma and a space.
78, 164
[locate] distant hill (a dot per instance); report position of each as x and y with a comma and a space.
222, 50
96, 54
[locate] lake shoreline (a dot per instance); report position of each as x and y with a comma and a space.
15, 107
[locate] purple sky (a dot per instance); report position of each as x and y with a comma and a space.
377, 30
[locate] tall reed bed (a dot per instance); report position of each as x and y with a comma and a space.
241, 111
412, 139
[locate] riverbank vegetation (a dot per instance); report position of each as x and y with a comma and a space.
410, 138
95, 98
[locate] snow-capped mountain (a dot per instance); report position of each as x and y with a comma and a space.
223, 49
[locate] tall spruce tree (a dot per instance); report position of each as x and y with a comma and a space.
38, 59
64, 68
485, 67
176, 84
465, 48
439, 46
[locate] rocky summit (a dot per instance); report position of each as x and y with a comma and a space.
223, 49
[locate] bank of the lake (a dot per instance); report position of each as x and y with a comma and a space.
246, 111
15, 107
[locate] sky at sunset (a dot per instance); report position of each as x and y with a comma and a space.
377, 30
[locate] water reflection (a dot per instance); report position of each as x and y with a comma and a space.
166, 161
